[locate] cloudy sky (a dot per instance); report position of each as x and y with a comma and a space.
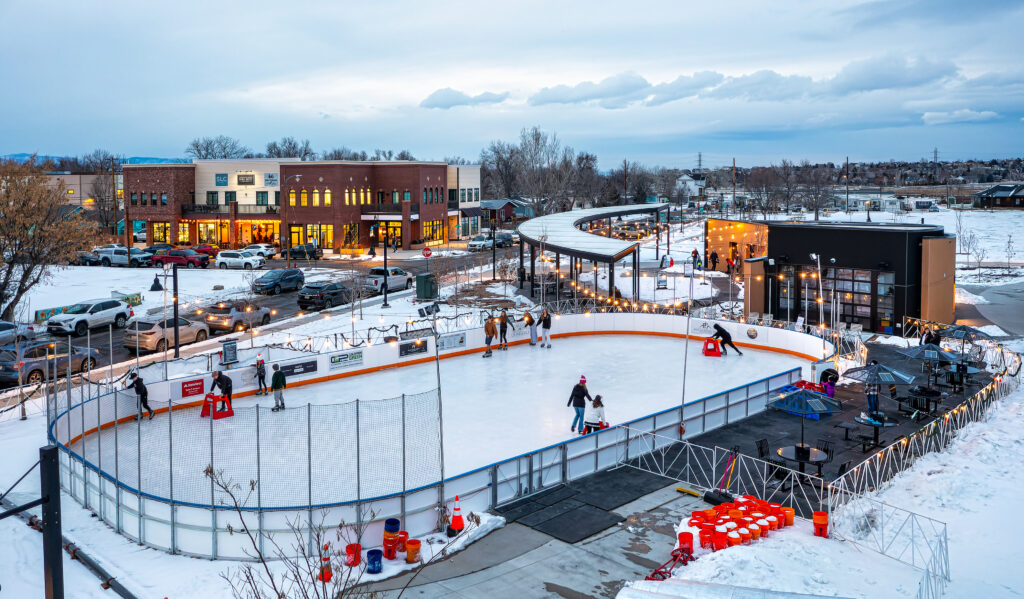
651, 81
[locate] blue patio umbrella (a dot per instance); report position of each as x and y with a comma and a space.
803, 403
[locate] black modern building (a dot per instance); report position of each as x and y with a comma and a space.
867, 274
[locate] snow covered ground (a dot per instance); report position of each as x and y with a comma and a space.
71, 284
966, 297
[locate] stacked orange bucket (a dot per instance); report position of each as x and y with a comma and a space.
740, 522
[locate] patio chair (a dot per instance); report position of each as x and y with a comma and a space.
844, 468
829, 448
762, 449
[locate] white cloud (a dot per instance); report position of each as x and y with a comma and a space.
763, 85
612, 92
447, 98
888, 72
964, 115
684, 86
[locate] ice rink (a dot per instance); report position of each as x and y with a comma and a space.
494, 409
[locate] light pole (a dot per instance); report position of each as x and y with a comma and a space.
284, 220
494, 255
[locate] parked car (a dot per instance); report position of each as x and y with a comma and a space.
480, 242
157, 247
133, 257
158, 335
11, 332
323, 295
307, 251
263, 250
504, 240
81, 317
934, 208
396, 279
186, 258
83, 258
33, 360
206, 248
140, 236
239, 259
107, 246
236, 316
278, 280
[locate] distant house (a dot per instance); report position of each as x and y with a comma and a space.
1001, 196
693, 185
507, 210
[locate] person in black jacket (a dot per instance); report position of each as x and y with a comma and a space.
725, 338
577, 399
714, 260
222, 382
503, 324
141, 394
545, 328
261, 377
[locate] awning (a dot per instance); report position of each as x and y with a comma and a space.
472, 212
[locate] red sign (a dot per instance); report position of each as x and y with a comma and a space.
426, 252
190, 388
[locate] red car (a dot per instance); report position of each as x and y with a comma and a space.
205, 248
186, 258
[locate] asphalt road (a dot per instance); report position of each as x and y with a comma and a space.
285, 304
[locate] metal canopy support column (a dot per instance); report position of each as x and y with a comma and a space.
533, 268
558, 274
521, 265
636, 274
611, 280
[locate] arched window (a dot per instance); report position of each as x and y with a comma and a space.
346, 197
291, 197
425, 200
316, 197
327, 197
305, 198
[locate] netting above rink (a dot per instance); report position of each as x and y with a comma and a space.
309, 455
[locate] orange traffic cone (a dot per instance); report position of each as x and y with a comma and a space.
456, 525
325, 569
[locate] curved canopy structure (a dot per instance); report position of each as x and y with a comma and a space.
559, 233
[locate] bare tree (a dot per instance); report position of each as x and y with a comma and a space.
499, 163
968, 243
36, 231
817, 186
404, 155
958, 222
221, 146
1009, 251
344, 153
289, 147
786, 179
763, 186
587, 180
102, 194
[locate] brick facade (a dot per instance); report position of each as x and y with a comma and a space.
177, 181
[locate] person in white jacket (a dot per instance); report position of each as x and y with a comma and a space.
594, 415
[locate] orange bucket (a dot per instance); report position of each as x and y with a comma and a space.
773, 522
765, 527
698, 515
734, 539
735, 514
412, 551
819, 517
755, 531
745, 536
790, 515
710, 515
720, 540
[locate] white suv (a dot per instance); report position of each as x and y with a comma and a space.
81, 317
239, 259
263, 250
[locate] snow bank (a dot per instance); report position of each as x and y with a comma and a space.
966, 297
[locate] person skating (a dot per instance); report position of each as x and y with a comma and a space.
141, 394
593, 416
724, 339
545, 328
578, 400
532, 323
490, 332
261, 377
277, 385
714, 260
503, 324
222, 382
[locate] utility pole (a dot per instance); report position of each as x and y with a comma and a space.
113, 198
734, 183
700, 162
847, 184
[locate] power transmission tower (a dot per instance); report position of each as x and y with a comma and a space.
700, 162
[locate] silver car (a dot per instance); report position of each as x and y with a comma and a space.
11, 332
156, 335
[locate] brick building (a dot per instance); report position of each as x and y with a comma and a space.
337, 205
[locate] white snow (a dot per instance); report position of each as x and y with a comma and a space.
993, 330
966, 297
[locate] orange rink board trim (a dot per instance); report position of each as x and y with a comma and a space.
340, 375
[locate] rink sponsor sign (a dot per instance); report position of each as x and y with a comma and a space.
451, 341
298, 368
409, 348
269, 179
249, 179
220, 179
190, 388
346, 360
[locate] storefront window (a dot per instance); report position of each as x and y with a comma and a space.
320, 235
183, 233
433, 230
257, 233
208, 233
161, 232
350, 236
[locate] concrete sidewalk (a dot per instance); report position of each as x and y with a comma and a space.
516, 561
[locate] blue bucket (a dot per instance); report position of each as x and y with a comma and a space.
374, 561
392, 525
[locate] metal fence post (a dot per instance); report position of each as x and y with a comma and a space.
138, 465
213, 508
359, 476
117, 472
259, 485
564, 451
494, 486
170, 462
309, 471
403, 460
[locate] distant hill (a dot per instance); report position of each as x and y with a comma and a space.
23, 156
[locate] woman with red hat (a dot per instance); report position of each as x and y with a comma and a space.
577, 399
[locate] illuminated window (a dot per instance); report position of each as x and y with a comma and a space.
305, 198
183, 233
291, 197
394, 197
327, 197
316, 197
369, 197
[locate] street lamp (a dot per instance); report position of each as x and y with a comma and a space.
284, 220
494, 254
